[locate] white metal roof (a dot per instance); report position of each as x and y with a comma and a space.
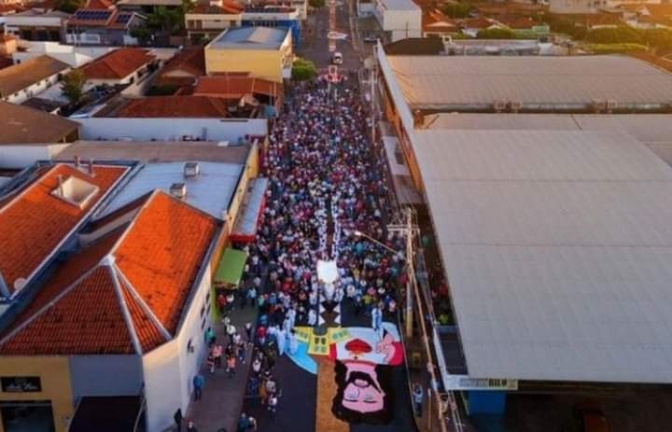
439, 81
210, 191
653, 130
558, 250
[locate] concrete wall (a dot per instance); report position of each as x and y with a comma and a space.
20, 156
403, 24
170, 129
34, 89
262, 63
169, 369
105, 375
54, 374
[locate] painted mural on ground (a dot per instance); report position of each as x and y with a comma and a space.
363, 364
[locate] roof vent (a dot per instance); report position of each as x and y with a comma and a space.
191, 169
74, 191
178, 190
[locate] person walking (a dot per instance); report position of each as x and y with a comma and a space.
218, 351
191, 427
178, 420
248, 332
211, 360
199, 383
273, 404
231, 365
418, 396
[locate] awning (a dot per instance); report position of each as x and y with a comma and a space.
230, 269
107, 414
245, 229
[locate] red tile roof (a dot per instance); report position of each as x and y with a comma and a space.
98, 4
175, 106
517, 23
659, 10
235, 86
117, 64
477, 23
226, 8
33, 222
98, 305
190, 61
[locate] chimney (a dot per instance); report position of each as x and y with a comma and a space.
60, 185
418, 119
191, 170
77, 161
90, 163
178, 190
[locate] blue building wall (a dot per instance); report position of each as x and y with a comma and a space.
486, 402
293, 25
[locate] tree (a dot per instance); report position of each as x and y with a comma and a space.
622, 34
316, 3
165, 19
68, 6
303, 70
457, 10
496, 33
72, 86
658, 38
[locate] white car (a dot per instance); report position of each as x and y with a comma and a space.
337, 58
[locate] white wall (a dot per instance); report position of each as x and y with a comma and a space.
20, 156
169, 129
34, 89
403, 23
169, 370
395, 91
105, 375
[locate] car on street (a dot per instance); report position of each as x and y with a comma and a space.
371, 39
337, 58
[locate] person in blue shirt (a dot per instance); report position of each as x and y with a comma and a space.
199, 383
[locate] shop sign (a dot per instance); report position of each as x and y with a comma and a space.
21, 384
464, 382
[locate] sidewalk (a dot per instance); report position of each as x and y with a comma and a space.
222, 399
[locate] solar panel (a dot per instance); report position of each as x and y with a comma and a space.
87, 15
124, 18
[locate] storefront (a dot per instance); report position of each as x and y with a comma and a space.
228, 275
35, 394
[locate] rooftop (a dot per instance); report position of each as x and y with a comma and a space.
259, 38
406, 5
37, 221
17, 124
175, 106
190, 60
125, 291
210, 191
21, 76
117, 64
537, 82
153, 151
236, 86
557, 247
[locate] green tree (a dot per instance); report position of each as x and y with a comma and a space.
316, 3
457, 10
68, 6
166, 20
303, 70
496, 33
622, 34
658, 38
72, 86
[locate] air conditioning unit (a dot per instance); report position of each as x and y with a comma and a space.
515, 106
178, 190
499, 106
191, 169
611, 105
598, 105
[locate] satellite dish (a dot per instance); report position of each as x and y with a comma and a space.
20, 283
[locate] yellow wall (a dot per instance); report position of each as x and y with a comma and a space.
261, 63
54, 373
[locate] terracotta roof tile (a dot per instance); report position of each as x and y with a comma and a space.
80, 310
659, 10
98, 4
21, 76
517, 23
477, 23
149, 335
191, 61
17, 124
162, 253
87, 319
235, 86
175, 106
37, 218
117, 64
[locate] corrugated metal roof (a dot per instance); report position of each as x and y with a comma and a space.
210, 191
431, 81
558, 251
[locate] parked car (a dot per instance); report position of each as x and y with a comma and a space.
589, 417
